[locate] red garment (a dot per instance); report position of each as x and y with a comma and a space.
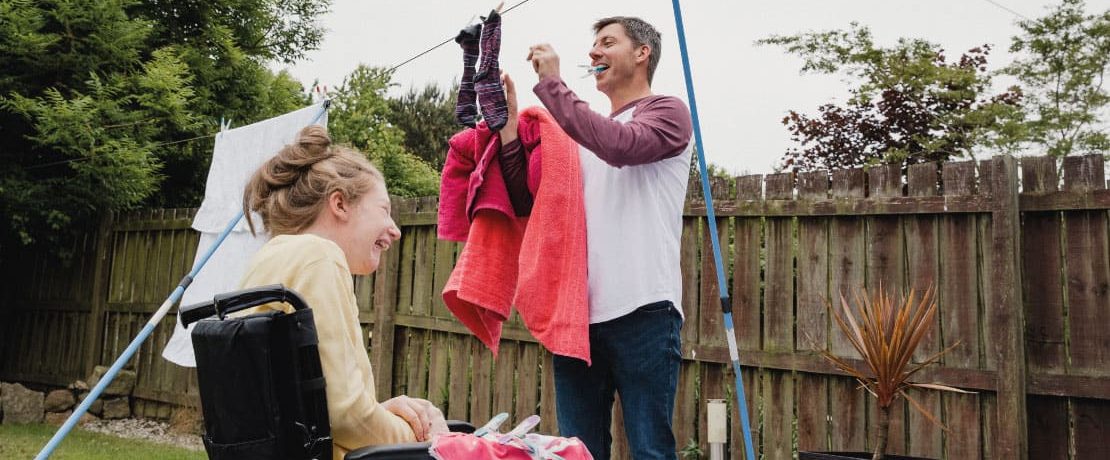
537, 264
471, 181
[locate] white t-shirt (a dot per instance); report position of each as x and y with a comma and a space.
633, 231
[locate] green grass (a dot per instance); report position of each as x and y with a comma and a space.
25, 441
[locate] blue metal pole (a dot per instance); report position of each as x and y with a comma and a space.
722, 283
134, 346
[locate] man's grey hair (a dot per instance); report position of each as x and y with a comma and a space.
641, 33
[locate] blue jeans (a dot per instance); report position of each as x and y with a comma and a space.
637, 356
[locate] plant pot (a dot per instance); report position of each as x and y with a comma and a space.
849, 456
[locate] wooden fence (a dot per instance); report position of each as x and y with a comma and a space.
1020, 258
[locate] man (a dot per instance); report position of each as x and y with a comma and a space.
635, 167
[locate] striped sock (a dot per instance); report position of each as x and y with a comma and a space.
491, 95
466, 108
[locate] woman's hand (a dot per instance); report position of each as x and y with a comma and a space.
508, 132
422, 416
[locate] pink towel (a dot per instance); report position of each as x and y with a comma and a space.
541, 259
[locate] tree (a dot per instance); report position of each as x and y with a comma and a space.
910, 104
359, 116
1063, 62
428, 119
104, 105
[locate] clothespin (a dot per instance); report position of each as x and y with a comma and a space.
499, 6
521, 429
492, 425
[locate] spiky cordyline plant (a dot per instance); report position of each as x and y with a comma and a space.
886, 333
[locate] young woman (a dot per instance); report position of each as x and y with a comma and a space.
328, 212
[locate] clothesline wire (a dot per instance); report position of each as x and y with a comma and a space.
205, 136
1004, 7
448, 40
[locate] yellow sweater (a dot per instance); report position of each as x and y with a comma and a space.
316, 268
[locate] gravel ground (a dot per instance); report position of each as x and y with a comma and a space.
150, 430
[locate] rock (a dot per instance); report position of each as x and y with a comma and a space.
20, 404
88, 418
117, 408
120, 386
97, 406
57, 418
58, 401
78, 385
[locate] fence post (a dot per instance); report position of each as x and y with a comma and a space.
1006, 312
102, 270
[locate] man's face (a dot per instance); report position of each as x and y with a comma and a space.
613, 48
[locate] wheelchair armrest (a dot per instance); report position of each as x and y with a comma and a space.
459, 426
407, 451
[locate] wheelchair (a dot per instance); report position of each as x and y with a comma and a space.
261, 384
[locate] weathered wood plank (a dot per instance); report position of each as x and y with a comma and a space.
1089, 200
957, 296
709, 319
385, 297
1088, 291
417, 366
1084, 173
686, 402
813, 267
406, 275
504, 368
422, 269
922, 179
885, 258
778, 414
846, 254
747, 303
690, 260
399, 364
1092, 427
964, 437
549, 422
1048, 427
528, 381
924, 436
813, 412
438, 369
922, 264
444, 263
459, 393
778, 295
1043, 292
481, 402
897, 205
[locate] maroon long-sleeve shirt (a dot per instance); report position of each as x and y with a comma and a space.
660, 129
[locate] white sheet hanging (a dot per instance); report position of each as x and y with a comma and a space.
238, 154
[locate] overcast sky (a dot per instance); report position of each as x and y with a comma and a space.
743, 91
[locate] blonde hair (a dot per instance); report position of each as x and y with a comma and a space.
291, 188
